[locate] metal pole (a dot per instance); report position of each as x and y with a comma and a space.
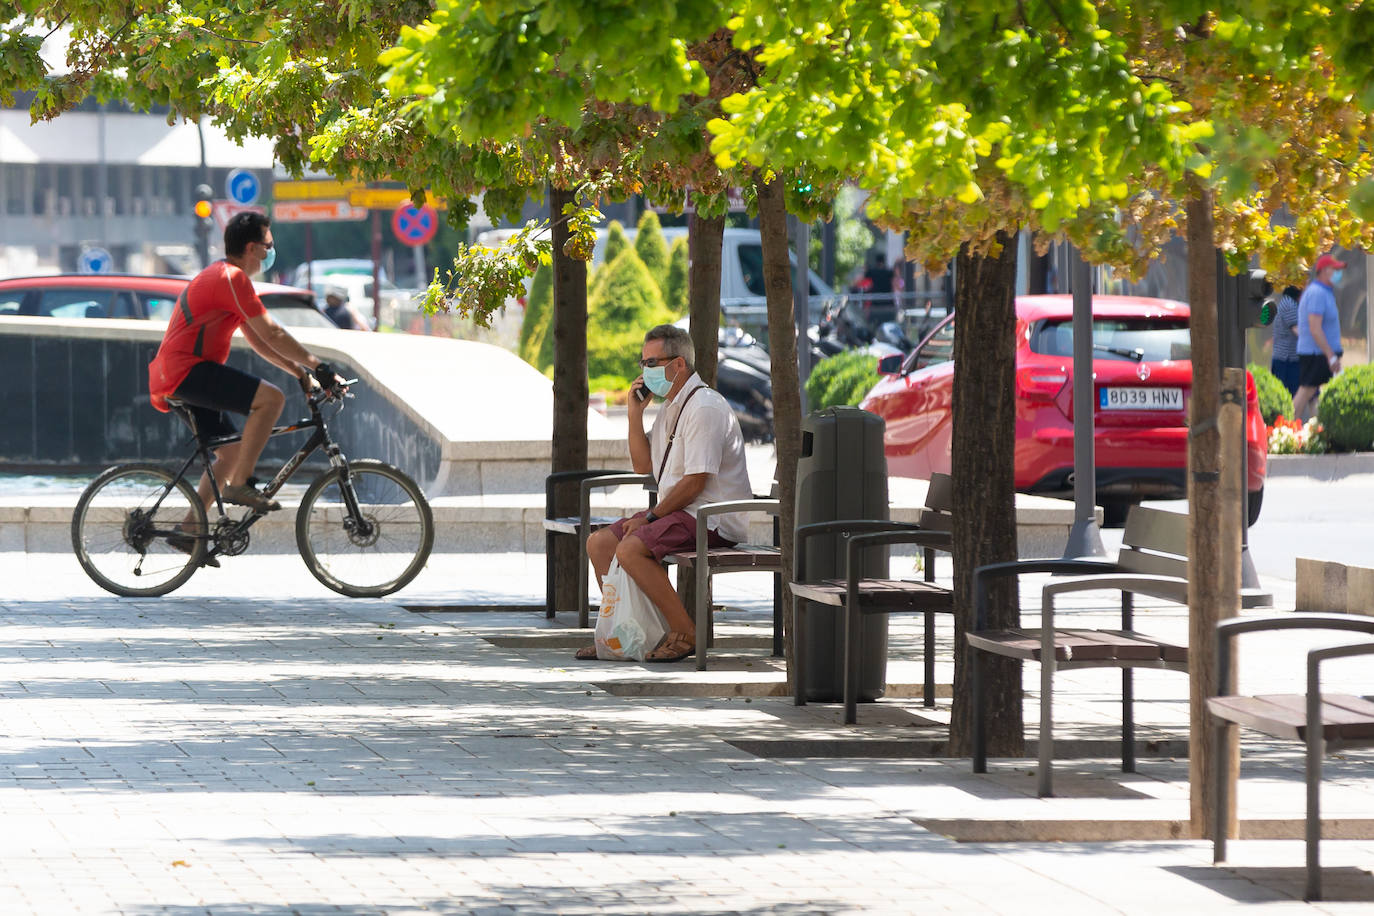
1085, 538
203, 242
1369, 307
801, 297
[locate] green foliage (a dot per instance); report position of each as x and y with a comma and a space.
1346, 411
1274, 399
538, 319
675, 293
624, 304
842, 380
653, 249
616, 242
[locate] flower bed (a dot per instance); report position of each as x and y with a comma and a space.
1294, 437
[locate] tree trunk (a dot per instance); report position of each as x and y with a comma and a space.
569, 386
1208, 598
782, 351
982, 453
703, 290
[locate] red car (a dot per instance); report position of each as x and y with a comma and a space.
1142, 379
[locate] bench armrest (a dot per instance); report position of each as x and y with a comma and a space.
558, 478
935, 540
983, 574
847, 527
1170, 588
1228, 630
584, 500
771, 506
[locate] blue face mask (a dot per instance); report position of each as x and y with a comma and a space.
656, 380
269, 260
1336, 277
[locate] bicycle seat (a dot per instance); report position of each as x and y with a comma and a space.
182, 409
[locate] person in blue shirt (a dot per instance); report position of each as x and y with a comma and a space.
1285, 361
1319, 334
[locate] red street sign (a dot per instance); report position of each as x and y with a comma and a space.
224, 210
414, 226
316, 211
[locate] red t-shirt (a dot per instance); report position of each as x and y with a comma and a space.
208, 312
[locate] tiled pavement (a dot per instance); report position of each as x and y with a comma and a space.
256, 744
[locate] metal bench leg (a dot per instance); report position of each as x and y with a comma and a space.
980, 736
583, 608
799, 651
550, 584
1220, 735
1127, 720
701, 617
928, 691
1315, 747
1046, 781
777, 615
853, 638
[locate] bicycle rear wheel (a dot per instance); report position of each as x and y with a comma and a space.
121, 525
375, 553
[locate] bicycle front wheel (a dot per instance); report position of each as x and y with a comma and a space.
375, 551
121, 526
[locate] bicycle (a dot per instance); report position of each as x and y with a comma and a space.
363, 528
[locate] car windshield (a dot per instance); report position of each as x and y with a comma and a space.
1132, 339
294, 312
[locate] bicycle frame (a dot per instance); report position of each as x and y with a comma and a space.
319, 439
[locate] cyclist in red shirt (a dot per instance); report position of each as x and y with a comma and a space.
190, 363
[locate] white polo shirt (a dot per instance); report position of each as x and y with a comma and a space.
707, 441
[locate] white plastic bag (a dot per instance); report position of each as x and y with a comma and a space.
629, 626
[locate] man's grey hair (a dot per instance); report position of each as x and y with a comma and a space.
676, 342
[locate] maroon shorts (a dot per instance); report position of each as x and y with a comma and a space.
675, 532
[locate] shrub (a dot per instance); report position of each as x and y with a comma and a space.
653, 250
625, 304
675, 294
841, 380
1274, 399
538, 320
1346, 411
616, 242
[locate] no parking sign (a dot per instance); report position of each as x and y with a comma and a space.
414, 226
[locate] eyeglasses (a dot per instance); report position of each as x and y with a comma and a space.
650, 362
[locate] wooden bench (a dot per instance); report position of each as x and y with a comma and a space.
696, 592
1325, 723
1152, 561
856, 595
580, 526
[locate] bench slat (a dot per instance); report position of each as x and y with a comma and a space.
1070, 645
1126, 644
570, 524
1285, 716
747, 556
882, 593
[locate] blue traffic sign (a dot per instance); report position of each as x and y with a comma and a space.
95, 261
414, 226
242, 187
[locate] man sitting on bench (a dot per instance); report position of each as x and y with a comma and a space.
696, 453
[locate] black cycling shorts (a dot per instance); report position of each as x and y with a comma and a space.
210, 389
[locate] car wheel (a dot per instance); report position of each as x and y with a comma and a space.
1254, 499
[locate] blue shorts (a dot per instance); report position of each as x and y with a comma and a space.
1286, 371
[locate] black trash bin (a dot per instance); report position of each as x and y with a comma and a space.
842, 474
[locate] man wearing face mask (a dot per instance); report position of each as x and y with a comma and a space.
190, 363
695, 451
1319, 334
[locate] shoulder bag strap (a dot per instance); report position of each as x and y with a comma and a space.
672, 434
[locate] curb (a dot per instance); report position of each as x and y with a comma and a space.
1321, 467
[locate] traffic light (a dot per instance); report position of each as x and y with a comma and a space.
1259, 295
203, 208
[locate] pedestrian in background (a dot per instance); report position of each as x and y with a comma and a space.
1319, 335
1285, 361
337, 310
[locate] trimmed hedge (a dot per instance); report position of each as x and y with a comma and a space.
624, 305
675, 294
653, 249
1274, 399
842, 380
1346, 410
616, 242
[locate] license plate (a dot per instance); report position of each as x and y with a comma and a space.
1141, 398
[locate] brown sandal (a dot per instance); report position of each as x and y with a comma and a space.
674, 648
586, 654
